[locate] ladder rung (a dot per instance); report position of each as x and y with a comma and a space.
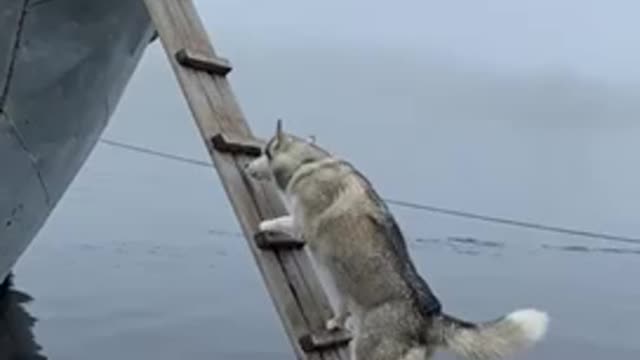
324, 340
225, 144
199, 61
276, 240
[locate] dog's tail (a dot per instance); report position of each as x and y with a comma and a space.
494, 339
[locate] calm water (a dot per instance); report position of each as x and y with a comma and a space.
141, 259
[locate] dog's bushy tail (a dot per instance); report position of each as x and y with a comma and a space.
494, 339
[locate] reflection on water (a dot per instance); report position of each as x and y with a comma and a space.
17, 340
473, 246
592, 249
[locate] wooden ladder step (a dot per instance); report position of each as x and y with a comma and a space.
198, 61
324, 340
227, 144
276, 240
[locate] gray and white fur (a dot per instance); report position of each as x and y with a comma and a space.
361, 255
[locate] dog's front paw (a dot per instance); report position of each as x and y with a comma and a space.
266, 225
332, 325
335, 324
280, 224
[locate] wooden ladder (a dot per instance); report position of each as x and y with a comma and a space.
293, 286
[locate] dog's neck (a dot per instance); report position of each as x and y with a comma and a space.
307, 169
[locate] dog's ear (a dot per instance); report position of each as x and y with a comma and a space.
279, 132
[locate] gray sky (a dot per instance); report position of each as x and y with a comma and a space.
593, 37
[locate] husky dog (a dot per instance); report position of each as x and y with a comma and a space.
365, 266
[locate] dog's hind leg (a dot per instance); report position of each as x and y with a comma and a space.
337, 299
380, 346
338, 321
417, 353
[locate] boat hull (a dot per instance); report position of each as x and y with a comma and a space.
64, 65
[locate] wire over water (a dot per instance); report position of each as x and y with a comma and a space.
411, 205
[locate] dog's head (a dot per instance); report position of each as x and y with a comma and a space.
282, 156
